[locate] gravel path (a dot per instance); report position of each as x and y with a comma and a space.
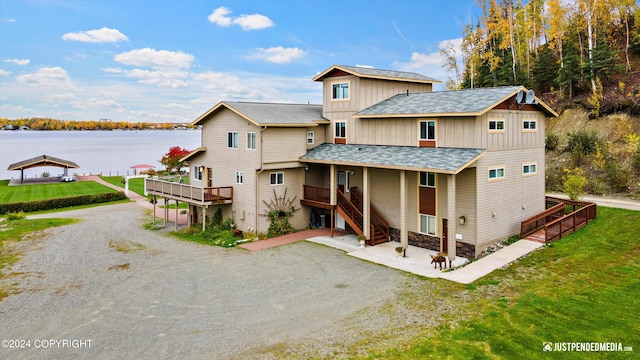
136, 293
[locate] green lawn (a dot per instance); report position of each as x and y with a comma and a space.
583, 288
34, 192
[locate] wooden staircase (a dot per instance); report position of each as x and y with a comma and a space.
351, 211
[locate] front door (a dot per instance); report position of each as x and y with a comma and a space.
444, 247
209, 177
342, 179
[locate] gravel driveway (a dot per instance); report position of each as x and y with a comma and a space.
131, 293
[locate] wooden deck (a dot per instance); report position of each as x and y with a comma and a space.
189, 193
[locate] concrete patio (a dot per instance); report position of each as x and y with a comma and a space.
418, 260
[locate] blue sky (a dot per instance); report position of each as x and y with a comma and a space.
157, 60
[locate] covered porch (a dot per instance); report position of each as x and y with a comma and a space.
388, 173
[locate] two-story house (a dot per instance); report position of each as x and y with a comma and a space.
452, 171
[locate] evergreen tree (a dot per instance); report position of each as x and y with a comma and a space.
569, 74
545, 70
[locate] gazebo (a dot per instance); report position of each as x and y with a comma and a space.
42, 160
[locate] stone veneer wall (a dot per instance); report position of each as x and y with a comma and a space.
433, 243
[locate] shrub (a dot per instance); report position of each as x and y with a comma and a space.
17, 215
582, 141
617, 176
61, 202
551, 142
217, 218
574, 184
635, 160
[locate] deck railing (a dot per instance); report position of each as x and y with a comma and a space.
315, 193
190, 193
378, 222
570, 223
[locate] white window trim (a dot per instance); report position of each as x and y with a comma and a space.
529, 165
335, 134
435, 179
255, 140
496, 131
235, 140
499, 178
197, 173
435, 224
310, 136
535, 121
435, 129
348, 98
276, 173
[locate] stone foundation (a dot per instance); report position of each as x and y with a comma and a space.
433, 243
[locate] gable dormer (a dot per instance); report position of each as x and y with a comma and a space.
354, 88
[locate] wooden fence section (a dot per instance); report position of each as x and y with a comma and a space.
561, 218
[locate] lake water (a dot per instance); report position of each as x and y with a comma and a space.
106, 152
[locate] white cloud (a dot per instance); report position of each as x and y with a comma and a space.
278, 55
47, 76
155, 58
164, 78
18, 61
4, 72
246, 22
103, 35
9, 20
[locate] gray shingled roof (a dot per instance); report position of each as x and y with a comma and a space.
469, 101
387, 73
447, 160
278, 114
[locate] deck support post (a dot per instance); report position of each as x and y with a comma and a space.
154, 200
176, 225
404, 239
164, 213
204, 218
332, 194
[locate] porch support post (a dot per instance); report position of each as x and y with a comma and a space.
366, 204
332, 194
404, 237
451, 215
332, 185
189, 215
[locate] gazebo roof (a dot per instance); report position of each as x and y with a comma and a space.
42, 160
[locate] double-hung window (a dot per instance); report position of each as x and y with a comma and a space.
232, 140
310, 137
239, 177
251, 141
340, 91
197, 172
276, 178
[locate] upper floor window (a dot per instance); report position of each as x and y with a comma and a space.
239, 177
529, 125
310, 136
428, 130
496, 173
276, 178
428, 179
197, 172
341, 129
232, 139
496, 125
251, 140
529, 169
340, 90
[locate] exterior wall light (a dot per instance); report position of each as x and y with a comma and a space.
461, 220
